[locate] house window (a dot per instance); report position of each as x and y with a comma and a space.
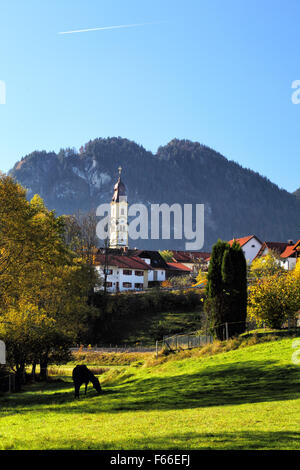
122, 211
109, 284
127, 272
139, 273
127, 284
108, 271
138, 285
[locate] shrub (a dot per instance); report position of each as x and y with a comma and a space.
274, 299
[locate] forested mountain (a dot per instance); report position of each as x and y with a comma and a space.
237, 201
297, 193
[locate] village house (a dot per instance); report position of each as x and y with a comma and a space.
290, 255
273, 247
134, 269
178, 269
194, 260
159, 267
250, 246
123, 272
287, 252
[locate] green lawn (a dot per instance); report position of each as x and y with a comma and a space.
247, 398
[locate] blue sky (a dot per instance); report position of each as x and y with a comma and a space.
218, 72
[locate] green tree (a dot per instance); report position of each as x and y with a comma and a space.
226, 289
214, 304
234, 277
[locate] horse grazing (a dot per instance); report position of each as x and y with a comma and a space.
82, 375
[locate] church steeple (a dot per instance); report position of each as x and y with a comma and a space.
119, 188
119, 215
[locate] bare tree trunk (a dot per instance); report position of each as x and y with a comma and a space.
33, 371
19, 377
44, 369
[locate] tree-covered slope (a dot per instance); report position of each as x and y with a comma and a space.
237, 201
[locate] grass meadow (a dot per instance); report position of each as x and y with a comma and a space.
243, 394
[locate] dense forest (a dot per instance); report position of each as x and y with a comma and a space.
238, 201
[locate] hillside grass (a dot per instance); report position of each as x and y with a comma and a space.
247, 397
146, 329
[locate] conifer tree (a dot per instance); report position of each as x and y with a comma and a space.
214, 289
227, 289
234, 276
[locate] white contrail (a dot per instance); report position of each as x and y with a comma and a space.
105, 27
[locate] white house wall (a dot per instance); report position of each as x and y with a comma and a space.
251, 248
161, 273
118, 276
289, 263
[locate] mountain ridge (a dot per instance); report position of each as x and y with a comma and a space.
238, 201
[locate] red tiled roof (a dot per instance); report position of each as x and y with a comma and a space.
278, 247
290, 250
189, 256
178, 267
242, 241
131, 262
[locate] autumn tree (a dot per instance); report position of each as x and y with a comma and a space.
80, 234
275, 298
44, 286
167, 255
265, 266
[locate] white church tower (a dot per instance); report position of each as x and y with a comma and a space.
118, 235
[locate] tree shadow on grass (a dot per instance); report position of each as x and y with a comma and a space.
36, 397
243, 440
232, 384
213, 441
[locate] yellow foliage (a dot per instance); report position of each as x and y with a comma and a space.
273, 299
265, 266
